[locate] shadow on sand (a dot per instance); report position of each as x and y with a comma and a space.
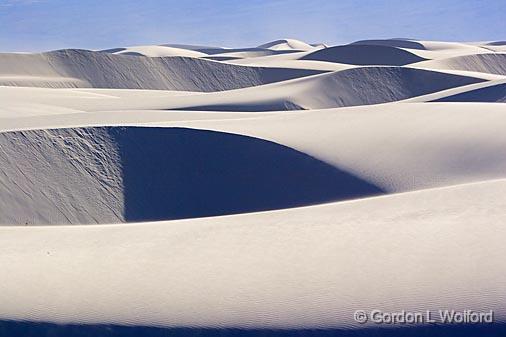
175, 173
494, 93
36, 329
358, 54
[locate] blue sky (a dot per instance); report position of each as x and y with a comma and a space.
35, 25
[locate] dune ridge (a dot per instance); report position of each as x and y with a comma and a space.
139, 174
103, 70
350, 87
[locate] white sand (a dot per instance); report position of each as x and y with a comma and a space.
421, 122
299, 268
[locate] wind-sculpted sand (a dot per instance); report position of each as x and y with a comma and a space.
268, 190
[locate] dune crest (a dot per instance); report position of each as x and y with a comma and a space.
287, 44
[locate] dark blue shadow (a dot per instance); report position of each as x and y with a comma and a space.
249, 107
494, 93
358, 54
36, 329
175, 173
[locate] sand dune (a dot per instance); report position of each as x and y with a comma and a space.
497, 46
398, 147
155, 51
135, 174
34, 70
492, 93
275, 61
486, 63
275, 48
291, 184
399, 43
497, 43
380, 144
103, 70
364, 55
356, 86
288, 44
328, 90
249, 53
69, 176
193, 47
301, 268
497, 81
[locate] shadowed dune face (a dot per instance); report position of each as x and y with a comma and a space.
137, 173
182, 173
364, 55
392, 43
494, 93
497, 43
221, 58
276, 105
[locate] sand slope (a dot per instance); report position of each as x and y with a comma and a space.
487, 63
356, 86
397, 146
299, 268
139, 174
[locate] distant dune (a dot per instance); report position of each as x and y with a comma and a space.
364, 55
356, 86
81, 68
288, 44
485, 63
155, 51
399, 43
